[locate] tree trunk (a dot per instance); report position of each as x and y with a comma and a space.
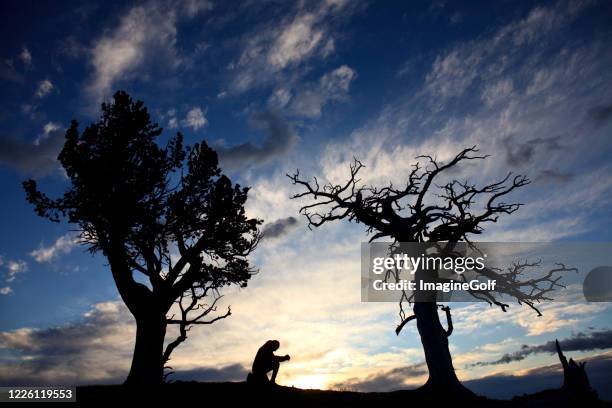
435, 345
147, 364
434, 338
575, 378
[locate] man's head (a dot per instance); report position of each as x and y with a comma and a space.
274, 344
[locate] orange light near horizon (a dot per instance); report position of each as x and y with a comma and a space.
311, 381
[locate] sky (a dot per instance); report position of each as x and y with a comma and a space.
276, 86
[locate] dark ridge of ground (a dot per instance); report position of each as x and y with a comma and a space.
229, 394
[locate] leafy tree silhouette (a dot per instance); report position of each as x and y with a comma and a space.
138, 202
415, 213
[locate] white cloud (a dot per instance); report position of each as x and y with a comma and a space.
146, 32
194, 7
482, 59
44, 88
15, 268
62, 245
12, 269
279, 98
310, 100
295, 42
285, 46
51, 127
497, 91
26, 57
338, 81
48, 130
124, 49
195, 119
538, 22
555, 315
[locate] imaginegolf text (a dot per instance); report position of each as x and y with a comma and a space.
475, 284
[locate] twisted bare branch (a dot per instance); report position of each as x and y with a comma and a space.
193, 311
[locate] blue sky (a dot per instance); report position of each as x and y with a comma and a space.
280, 85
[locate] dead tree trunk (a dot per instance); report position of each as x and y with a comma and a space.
434, 337
435, 345
575, 379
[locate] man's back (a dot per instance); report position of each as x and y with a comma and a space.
263, 359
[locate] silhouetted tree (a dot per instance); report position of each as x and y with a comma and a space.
138, 203
575, 379
415, 213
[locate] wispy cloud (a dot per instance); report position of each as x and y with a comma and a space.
310, 99
305, 34
594, 340
15, 268
12, 268
62, 245
44, 88
483, 59
146, 32
49, 129
555, 315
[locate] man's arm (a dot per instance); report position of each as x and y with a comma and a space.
281, 358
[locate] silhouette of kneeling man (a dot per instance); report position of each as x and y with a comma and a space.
266, 361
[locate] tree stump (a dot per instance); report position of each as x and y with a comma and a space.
575, 378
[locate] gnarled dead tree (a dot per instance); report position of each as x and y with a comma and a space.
423, 211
